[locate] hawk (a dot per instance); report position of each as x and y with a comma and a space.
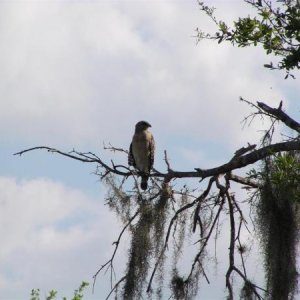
141, 151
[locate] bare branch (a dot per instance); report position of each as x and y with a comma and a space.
232, 245
244, 150
245, 160
280, 115
114, 149
116, 243
206, 239
236, 163
200, 198
83, 157
115, 286
167, 161
253, 286
246, 181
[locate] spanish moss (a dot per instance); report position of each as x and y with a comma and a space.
278, 224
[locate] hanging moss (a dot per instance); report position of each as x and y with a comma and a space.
278, 224
160, 208
118, 200
139, 254
180, 228
178, 286
147, 236
247, 292
160, 215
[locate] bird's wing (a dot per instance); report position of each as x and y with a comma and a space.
151, 152
131, 161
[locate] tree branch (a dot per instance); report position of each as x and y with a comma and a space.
235, 163
232, 245
116, 243
280, 115
115, 286
175, 216
244, 160
83, 157
246, 181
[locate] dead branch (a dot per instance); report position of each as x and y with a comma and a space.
233, 238
280, 115
236, 163
177, 213
206, 239
246, 181
114, 149
115, 286
244, 150
83, 157
167, 161
232, 245
116, 243
244, 160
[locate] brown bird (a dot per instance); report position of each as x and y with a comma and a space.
141, 151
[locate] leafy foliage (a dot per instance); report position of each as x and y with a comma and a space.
276, 27
78, 294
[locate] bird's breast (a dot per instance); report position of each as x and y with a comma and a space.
141, 150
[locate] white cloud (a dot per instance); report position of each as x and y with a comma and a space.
52, 236
86, 72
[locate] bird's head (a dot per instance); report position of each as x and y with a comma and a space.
142, 125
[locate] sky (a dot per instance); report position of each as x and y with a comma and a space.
80, 74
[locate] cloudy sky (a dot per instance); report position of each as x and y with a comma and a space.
77, 74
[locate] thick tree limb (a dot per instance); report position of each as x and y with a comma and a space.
280, 115
247, 159
236, 163
246, 181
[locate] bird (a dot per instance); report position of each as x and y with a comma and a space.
141, 151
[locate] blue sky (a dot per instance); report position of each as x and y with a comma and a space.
77, 74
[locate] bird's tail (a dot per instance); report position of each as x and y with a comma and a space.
144, 182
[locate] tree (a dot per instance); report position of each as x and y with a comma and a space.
167, 213
164, 213
276, 27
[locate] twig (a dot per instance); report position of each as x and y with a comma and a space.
232, 245
197, 257
167, 161
115, 286
83, 157
237, 163
116, 243
200, 198
114, 149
